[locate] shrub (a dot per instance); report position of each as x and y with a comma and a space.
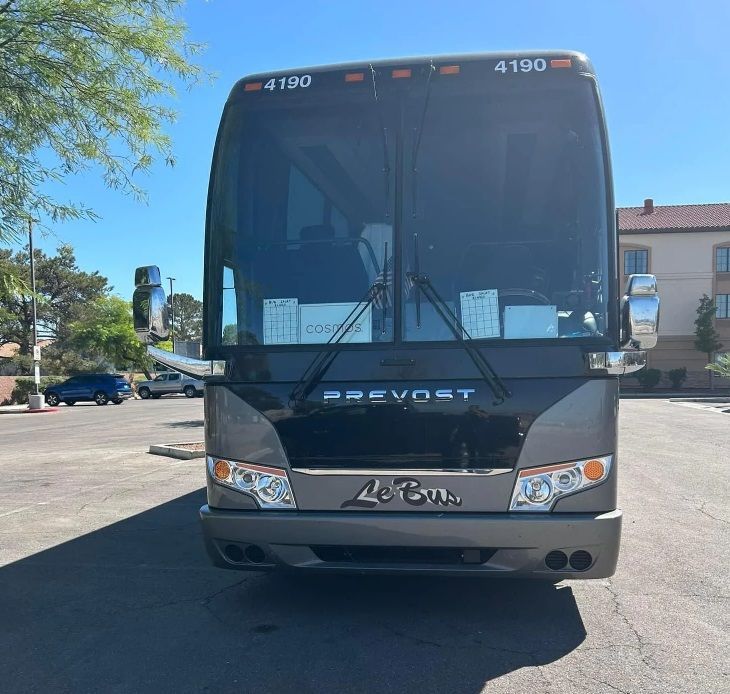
721, 366
25, 386
648, 378
677, 377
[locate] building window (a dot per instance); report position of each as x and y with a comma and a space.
636, 262
722, 259
722, 305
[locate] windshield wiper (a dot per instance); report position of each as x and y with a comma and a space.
497, 385
384, 139
422, 283
318, 367
417, 140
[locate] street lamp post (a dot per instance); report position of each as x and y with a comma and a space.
34, 305
172, 311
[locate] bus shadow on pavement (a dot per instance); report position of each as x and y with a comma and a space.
135, 606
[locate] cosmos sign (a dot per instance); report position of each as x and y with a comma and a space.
398, 395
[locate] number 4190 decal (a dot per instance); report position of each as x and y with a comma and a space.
524, 65
291, 82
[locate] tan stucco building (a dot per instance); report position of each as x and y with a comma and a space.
688, 248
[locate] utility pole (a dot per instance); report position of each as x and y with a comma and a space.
172, 311
33, 302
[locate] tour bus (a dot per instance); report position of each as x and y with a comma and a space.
413, 322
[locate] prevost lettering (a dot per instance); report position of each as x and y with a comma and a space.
399, 395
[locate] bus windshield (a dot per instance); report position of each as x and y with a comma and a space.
506, 212
494, 190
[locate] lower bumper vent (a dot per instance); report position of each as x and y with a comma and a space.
581, 560
402, 555
556, 560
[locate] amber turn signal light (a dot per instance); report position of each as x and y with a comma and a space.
222, 470
594, 470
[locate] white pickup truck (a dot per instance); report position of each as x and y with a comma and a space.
167, 383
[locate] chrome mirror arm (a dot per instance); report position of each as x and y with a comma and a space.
195, 368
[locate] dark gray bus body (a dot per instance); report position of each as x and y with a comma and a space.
400, 457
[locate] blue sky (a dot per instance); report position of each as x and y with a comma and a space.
663, 66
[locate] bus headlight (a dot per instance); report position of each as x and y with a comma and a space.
537, 489
268, 485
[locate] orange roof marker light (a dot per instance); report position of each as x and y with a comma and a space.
354, 77
561, 62
252, 87
449, 70
401, 73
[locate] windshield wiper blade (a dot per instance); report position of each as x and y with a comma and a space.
319, 366
417, 141
384, 139
497, 385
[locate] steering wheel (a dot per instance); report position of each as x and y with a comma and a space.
526, 293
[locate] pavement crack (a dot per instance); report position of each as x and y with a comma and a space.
619, 612
204, 600
532, 655
611, 686
701, 509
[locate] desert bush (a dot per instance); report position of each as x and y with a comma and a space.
648, 378
25, 386
677, 377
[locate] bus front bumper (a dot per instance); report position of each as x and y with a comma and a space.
506, 544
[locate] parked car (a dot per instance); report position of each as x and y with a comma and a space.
99, 388
167, 383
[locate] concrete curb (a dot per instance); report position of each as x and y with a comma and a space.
172, 450
676, 395
24, 409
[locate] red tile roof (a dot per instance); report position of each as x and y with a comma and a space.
706, 217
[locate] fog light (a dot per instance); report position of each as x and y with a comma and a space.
246, 479
567, 480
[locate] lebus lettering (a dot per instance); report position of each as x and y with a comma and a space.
409, 489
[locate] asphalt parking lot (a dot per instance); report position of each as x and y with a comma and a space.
104, 585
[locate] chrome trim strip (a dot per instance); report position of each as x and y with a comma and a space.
485, 472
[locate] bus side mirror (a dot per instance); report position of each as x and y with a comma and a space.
640, 312
149, 306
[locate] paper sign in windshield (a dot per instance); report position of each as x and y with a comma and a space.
281, 321
527, 322
320, 323
480, 313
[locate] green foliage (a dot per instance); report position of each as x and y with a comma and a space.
649, 378
188, 324
62, 291
707, 338
230, 334
106, 330
721, 366
25, 386
58, 358
84, 83
677, 377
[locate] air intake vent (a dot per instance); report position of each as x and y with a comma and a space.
402, 555
581, 560
556, 560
